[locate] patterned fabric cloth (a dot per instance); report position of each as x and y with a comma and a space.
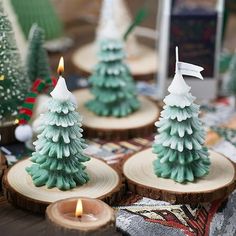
166, 219
149, 217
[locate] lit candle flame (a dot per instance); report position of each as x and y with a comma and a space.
79, 208
60, 68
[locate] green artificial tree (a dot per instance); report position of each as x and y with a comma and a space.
13, 80
181, 154
232, 77
37, 62
21, 41
112, 84
41, 12
59, 156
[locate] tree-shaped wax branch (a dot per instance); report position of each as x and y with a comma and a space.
112, 83
179, 146
59, 156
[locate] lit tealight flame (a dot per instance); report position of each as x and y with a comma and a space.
60, 68
79, 208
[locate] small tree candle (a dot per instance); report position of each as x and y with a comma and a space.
181, 154
112, 84
59, 150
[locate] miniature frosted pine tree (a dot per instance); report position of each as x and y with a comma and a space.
13, 81
232, 77
37, 62
181, 154
59, 156
19, 35
112, 83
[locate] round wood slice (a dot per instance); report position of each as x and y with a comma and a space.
219, 183
3, 167
138, 124
142, 67
59, 225
105, 184
7, 133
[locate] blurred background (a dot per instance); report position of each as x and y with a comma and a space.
203, 30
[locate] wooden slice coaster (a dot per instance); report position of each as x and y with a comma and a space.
138, 124
61, 222
105, 184
3, 167
220, 182
7, 133
142, 67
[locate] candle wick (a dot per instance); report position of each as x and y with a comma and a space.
177, 59
78, 216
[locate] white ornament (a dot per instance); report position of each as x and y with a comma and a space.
23, 133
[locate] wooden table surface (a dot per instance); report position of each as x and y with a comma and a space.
18, 222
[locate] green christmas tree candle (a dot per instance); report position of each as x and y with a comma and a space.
112, 84
37, 62
59, 157
181, 154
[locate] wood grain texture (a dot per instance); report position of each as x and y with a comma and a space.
7, 133
3, 167
137, 124
105, 184
219, 183
15, 222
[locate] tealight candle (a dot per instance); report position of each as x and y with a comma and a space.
79, 215
83, 216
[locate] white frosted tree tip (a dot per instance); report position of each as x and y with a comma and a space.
178, 85
61, 91
107, 9
109, 31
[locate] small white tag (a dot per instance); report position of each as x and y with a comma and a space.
11, 159
189, 69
